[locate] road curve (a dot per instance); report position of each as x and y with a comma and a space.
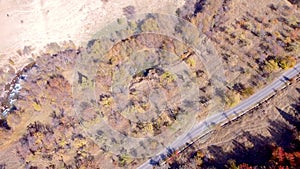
222, 118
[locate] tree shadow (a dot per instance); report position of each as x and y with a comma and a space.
298, 89
289, 118
242, 154
4, 125
256, 151
261, 150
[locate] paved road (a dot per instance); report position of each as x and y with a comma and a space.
206, 126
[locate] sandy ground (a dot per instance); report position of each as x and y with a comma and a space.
36, 23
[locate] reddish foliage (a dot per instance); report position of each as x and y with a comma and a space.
284, 159
278, 155
244, 166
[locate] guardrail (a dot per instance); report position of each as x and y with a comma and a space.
212, 127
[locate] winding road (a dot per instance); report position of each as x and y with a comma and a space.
206, 126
